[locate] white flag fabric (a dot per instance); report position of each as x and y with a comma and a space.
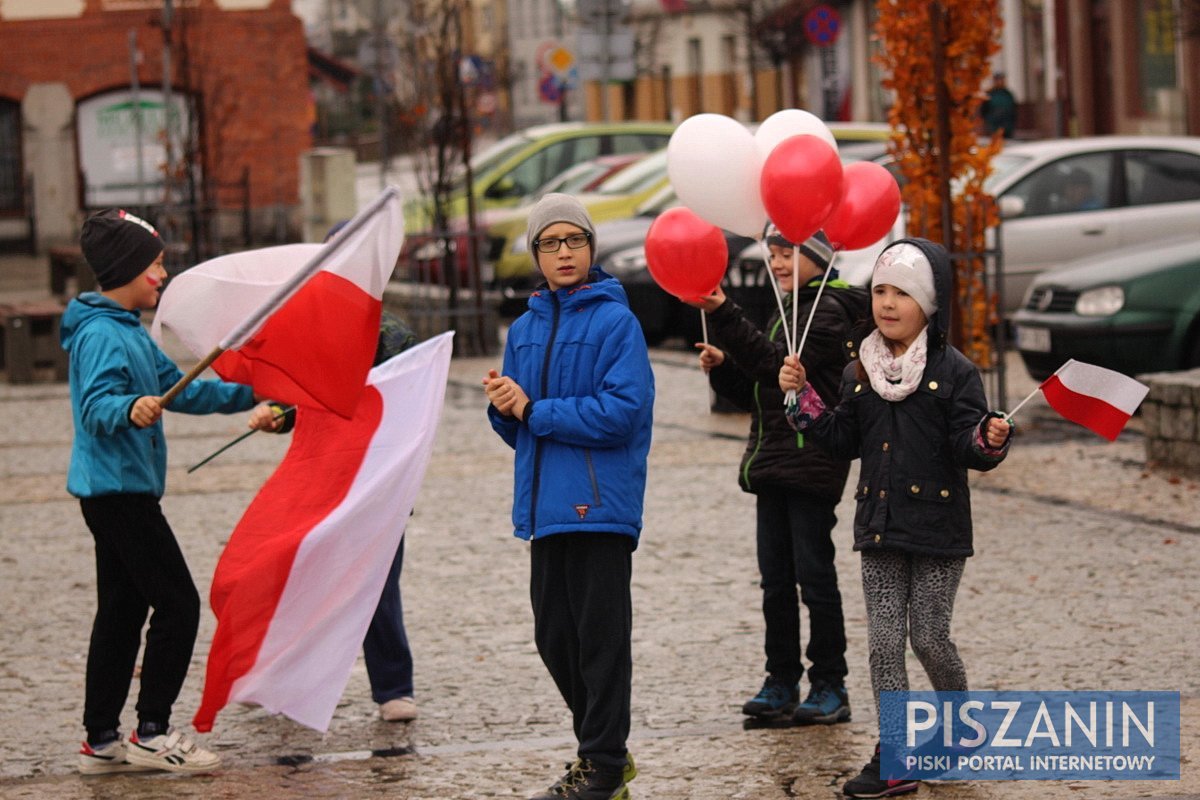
1097, 398
297, 322
299, 580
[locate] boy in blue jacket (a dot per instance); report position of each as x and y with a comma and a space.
118, 469
575, 401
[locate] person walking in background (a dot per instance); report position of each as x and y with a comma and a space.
999, 109
118, 471
575, 401
796, 484
913, 409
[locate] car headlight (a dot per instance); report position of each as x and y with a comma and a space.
626, 263
1101, 302
520, 246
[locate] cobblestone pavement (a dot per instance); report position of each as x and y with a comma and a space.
1085, 578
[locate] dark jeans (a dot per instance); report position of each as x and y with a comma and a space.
583, 623
795, 546
139, 567
385, 648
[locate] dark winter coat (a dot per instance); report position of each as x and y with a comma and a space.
912, 488
776, 456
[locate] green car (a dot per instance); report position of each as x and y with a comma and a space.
521, 163
1134, 310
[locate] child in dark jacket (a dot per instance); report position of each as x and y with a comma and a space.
796, 484
913, 409
575, 401
118, 469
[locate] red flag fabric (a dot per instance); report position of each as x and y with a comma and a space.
1097, 398
306, 341
296, 587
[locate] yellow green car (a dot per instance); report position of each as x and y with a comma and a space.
616, 198
522, 162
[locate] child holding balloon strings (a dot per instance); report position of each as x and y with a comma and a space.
913, 409
796, 485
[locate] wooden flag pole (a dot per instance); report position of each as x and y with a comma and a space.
192, 374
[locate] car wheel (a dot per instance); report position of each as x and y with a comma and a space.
1193, 359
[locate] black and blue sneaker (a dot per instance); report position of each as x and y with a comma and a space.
825, 705
774, 699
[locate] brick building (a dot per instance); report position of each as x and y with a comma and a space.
78, 131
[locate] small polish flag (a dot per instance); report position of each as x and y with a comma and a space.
1097, 398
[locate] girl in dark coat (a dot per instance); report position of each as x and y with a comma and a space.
913, 409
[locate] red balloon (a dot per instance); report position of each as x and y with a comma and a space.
800, 185
686, 256
868, 207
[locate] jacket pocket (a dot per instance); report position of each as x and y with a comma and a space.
928, 489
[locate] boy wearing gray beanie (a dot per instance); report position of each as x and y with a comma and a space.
574, 400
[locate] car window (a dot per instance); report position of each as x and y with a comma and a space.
1161, 176
550, 161
637, 178
1003, 165
572, 180
1068, 185
623, 143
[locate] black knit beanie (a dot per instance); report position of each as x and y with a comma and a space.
118, 246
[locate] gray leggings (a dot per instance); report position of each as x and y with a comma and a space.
909, 594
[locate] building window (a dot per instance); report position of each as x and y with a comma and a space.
12, 187
1156, 31
696, 68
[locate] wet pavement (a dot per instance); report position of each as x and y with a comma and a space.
1085, 578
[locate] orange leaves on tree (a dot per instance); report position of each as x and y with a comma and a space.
908, 52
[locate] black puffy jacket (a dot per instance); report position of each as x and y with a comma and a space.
912, 488
776, 455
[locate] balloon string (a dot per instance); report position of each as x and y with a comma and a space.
817, 300
796, 297
778, 294
704, 325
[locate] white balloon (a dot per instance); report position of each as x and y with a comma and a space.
788, 123
714, 167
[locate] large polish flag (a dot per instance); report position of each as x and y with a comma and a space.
297, 322
1097, 398
296, 587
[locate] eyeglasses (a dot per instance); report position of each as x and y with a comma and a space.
575, 241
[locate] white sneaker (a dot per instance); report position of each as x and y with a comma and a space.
402, 709
106, 759
173, 751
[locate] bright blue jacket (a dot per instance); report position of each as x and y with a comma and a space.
113, 363
580, 355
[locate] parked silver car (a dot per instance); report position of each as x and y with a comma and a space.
1065, 199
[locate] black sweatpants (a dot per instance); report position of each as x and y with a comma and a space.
583, 623
139, 567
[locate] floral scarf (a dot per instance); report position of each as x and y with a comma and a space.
894, 378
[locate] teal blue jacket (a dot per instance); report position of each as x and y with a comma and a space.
113, 363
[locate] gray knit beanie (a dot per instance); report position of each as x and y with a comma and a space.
557, 207
816, 247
